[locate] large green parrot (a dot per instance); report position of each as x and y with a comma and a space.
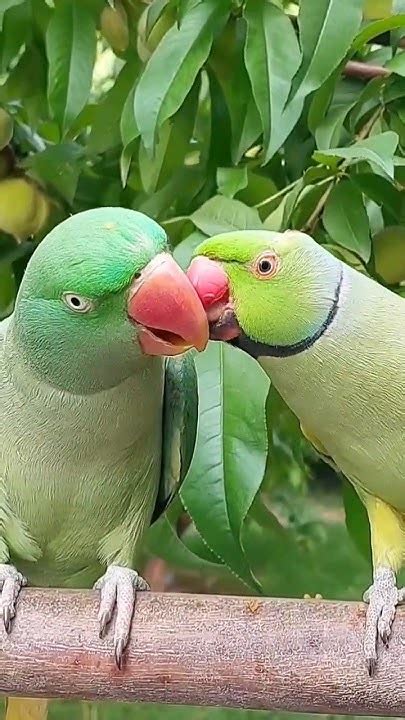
97, 428
333, 342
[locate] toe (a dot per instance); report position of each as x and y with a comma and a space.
370, 636
11, 588
107, 602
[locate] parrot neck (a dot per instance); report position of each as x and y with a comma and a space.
77, 371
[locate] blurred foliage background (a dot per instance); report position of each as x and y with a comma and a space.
210, 115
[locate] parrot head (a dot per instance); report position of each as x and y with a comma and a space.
100, 292
277, 289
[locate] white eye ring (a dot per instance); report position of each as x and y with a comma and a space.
77, 303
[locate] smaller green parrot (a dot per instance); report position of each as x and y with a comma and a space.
332, 341
97, 421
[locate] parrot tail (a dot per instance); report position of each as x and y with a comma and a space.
19, 708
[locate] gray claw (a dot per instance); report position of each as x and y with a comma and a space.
372, 664
7, 619
119, 652
104, 620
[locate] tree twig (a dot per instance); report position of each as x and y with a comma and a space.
361, 70
361, 135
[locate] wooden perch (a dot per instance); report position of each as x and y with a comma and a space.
299, 655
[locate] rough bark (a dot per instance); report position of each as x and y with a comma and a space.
300, 655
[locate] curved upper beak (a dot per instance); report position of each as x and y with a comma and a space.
209, 280
167, 309
212, 285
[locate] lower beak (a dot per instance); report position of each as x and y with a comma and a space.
167, 309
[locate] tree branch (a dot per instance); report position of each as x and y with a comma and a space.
303, 655
363, 71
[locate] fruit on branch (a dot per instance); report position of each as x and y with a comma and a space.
389, 254
24, 208
114, 27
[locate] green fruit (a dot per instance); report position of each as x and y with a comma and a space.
24, 208
114, 27
6, 128
389, 254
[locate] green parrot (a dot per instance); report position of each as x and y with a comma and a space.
97, 425
332, 341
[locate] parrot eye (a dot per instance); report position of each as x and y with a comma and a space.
77, 303
266, 265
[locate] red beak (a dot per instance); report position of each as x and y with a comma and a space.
209, 280
212, 285
165, 305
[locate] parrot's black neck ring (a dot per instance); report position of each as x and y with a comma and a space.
258, 349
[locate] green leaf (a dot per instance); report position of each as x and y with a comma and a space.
59, 167
356, 519
129, 134
306, 204
183, 252
163, 541
6, 4
172, 146
329, 131
105, 132
272, 58
128, 127
377, 188
378, 150
326, 31
321, 101
397, 64
155, 11
27, 80
71, 51
227, 62
15, 33
173, 68
231, 180
221, 214
151, 167
290, 203
230, 453
379, 27
345, 219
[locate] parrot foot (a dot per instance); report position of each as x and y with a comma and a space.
118, 587
383, 596
11, 582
